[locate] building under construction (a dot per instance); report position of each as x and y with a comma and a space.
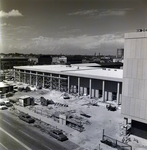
80, 79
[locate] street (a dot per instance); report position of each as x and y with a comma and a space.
18, 135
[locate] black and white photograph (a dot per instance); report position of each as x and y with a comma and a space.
73, 74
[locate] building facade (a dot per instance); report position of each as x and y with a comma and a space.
9, 62
134, 97
44, 60
95, 82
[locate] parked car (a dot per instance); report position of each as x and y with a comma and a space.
8, 104
58, 135
27, 118
2, 103
3, 107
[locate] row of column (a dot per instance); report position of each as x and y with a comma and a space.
104, 94
36, 79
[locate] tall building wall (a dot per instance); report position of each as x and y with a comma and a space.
134, 96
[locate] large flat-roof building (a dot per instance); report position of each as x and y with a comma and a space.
80, 79
134, 97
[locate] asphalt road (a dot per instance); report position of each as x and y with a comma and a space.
18, 135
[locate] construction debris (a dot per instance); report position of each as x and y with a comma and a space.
46, 102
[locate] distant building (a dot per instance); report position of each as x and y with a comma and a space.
134, 96
59, 60
62, 60
33, 60
5, 88
76, 59
118, 60
55, 60
9, 62
44, 60
120, 53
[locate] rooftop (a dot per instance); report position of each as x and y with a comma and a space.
77, 70
2, 84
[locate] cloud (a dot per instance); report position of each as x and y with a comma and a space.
102, 12
84, 12
83, 42
12, 13
112, 13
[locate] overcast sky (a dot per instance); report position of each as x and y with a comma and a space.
68, 26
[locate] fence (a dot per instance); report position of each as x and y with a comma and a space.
115, 143
77, 125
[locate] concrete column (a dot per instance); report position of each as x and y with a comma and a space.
68, 84
24, 76
51, 81
14, 74
126, 123
118, 92
78, 86
19, 75
90, 81
43, 81
120, 98
103, 91
36, 78
30, 78
59, 82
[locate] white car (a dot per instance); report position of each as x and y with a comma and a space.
33, 88
3, 107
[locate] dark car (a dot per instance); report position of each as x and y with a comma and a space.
8, 104
58, 135
27, 118
2, 103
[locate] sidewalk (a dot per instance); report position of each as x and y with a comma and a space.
65, 128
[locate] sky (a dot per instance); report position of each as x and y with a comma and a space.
71, 27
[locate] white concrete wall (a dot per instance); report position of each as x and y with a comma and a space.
134, 96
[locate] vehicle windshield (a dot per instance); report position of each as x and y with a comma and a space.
57, 132
28, 117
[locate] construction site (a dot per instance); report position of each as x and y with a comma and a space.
81, 118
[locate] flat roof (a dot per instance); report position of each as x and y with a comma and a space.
52, 68
13, 58
24, 97
2, 84
76, 70
87, 65
101, 73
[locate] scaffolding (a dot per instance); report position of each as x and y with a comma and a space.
51, 81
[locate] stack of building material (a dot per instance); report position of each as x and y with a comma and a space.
45, 102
